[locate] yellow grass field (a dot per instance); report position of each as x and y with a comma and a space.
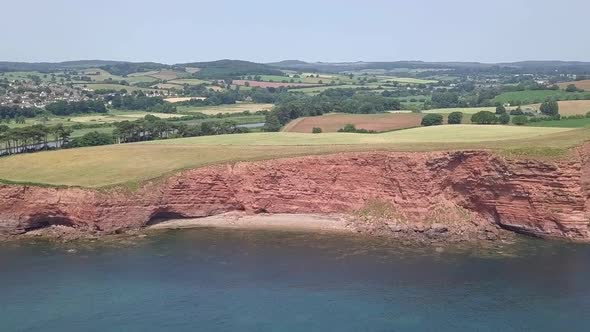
330, 123
181, 99
132, 163
567, 107
235, 108
434, 134
584, 84
118, 116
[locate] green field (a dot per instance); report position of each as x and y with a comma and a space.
189, 81
132, 163
24, 75
565, 123
318, 89
95, 86
538, 96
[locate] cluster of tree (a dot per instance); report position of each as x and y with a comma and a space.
211, 128
264, 95
93, 138
141, 102
33, 138
296, 106
152, 127
229, 69
76, 107
486, 117
13, 112
109, 91
573, 88
446, 99
550, 108
432, 119
126, 68
351, 128
148, 128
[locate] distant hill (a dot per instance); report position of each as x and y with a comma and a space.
52, 66
514, 67
126, 68
223, 69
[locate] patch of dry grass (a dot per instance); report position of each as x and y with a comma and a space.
333, 122
133, 163
567, 107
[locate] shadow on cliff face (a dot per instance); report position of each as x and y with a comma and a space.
162, 216
38, 222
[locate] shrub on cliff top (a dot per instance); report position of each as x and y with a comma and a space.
316, 130
432, 120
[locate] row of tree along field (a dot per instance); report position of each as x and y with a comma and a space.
40, 137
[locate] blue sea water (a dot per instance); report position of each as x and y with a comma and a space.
222, 280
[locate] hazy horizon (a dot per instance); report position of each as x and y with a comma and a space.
181, 31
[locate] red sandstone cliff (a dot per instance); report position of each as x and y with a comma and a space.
536, 197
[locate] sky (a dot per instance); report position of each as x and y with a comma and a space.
178, 31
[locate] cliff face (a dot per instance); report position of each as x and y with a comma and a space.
541, 198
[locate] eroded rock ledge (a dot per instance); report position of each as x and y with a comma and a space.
549, 199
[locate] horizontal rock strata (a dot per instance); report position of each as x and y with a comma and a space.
543, 198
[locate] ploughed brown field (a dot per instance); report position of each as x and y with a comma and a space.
584, 84
272, 84
568, 107
377, 122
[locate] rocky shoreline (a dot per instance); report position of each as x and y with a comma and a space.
410, 233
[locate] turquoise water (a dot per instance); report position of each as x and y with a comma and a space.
219, 280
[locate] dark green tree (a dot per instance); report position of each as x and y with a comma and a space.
504, 118
455, 118
519, 120
432, 120
550, 108
484, 117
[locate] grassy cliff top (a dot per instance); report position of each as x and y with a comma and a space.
131, 163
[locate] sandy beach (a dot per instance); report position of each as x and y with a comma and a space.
307, 222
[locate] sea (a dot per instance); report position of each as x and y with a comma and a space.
243, 280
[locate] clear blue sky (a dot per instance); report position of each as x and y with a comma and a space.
174, 31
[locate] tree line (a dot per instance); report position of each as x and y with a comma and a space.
41, 137
296, 106
33, 138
